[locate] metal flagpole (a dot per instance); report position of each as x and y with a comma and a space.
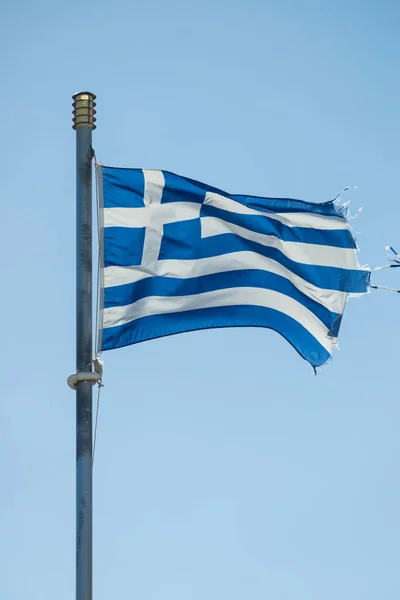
83, 380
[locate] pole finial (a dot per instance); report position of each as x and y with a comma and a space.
84, 103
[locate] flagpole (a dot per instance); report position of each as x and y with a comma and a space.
84, 103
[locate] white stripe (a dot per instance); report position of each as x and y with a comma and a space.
309, 254
143, 217
290, 219
156, 305
333, 300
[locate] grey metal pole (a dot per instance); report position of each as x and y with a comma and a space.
84, 124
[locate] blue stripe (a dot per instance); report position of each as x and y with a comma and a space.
339, 238
329, 278
125, 188
123, 295
156, 326
178, 189
329, 209
284, 205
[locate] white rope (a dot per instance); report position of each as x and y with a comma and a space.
100, 385
386, 289
98, 368
394, 263
97, 348
97, 363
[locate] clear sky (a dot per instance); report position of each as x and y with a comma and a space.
224, 469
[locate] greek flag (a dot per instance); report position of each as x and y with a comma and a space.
180, 255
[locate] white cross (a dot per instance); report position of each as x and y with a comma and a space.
153, 216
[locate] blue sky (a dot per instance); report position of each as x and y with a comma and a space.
224, 469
